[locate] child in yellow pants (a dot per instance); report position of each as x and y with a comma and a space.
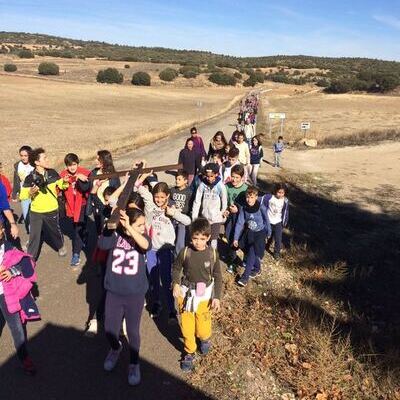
197, 285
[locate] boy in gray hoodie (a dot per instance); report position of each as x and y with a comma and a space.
211, 200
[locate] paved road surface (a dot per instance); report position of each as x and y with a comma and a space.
70, 365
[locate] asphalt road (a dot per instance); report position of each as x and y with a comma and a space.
70, 365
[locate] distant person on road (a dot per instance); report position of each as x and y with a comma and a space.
41, 187
190, 160
197, 286
278, 148
217, 145
198, 144
22, 169
256, 155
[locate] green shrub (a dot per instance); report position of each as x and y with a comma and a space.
188, 68
190, 74
141, 79
238, 75
251, 81
25, 53
10, 67
323, 82
48, 68
110, 75
168, 74
222, 79
337, 86
127, 66
259, 76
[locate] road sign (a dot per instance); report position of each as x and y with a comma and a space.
305, 125
276, 115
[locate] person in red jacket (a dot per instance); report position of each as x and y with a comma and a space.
75, 203
4, 180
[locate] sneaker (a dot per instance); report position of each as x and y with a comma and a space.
254, 274
62, 252
276, 256
134, 374
112, 357
231, 269
155, 310
28, 366
172, 318
75, 260
91, 328
242, 282
205, 346
187, 363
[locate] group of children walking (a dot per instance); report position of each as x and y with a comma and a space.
170, 240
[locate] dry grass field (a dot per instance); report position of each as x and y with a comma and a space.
332, 114
83, 118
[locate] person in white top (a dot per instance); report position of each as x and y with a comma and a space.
22, 169
244, 153
277, 206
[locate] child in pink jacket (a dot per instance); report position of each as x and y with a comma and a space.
16, 302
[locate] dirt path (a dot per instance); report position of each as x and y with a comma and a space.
70, 365
366, 175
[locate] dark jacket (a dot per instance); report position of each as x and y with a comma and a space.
190, 160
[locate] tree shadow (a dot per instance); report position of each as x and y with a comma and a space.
70, 366
367, 245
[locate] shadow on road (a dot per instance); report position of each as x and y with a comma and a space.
70, 366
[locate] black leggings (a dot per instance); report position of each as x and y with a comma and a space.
130, 307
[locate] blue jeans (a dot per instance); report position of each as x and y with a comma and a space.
277, 237
180, 242
15, 325
253, 264
159, 264
25, 207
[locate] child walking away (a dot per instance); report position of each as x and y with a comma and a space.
277, 206
190, 160
251, 230
75, 203
126, 285
159, 219
197, 284
181, 195
16, 302
256, 155
236, 190
211, 198
278, 148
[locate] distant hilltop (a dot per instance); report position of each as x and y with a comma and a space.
338, 75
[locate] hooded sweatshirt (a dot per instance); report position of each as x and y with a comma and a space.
212, 199
160, 226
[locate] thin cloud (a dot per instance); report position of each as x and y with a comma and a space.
388, 20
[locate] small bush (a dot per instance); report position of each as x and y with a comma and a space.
188, 68
190, 74
110, 75
339, 87
222, 79
323, 82
168, 74
259, 77
238, 75
25, 53
127, 66
48, 68
141, 79
251, 81
10, 67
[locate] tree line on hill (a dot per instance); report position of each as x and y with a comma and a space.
336, 75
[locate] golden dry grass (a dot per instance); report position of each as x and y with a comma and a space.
329, 115
82, 118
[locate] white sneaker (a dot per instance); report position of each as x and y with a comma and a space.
91, 328
125, 332
134, 374
112, 358
62, 252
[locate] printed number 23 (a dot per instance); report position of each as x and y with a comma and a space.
120, 256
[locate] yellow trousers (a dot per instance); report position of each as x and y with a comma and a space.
195, 324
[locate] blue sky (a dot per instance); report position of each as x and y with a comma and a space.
242, 28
